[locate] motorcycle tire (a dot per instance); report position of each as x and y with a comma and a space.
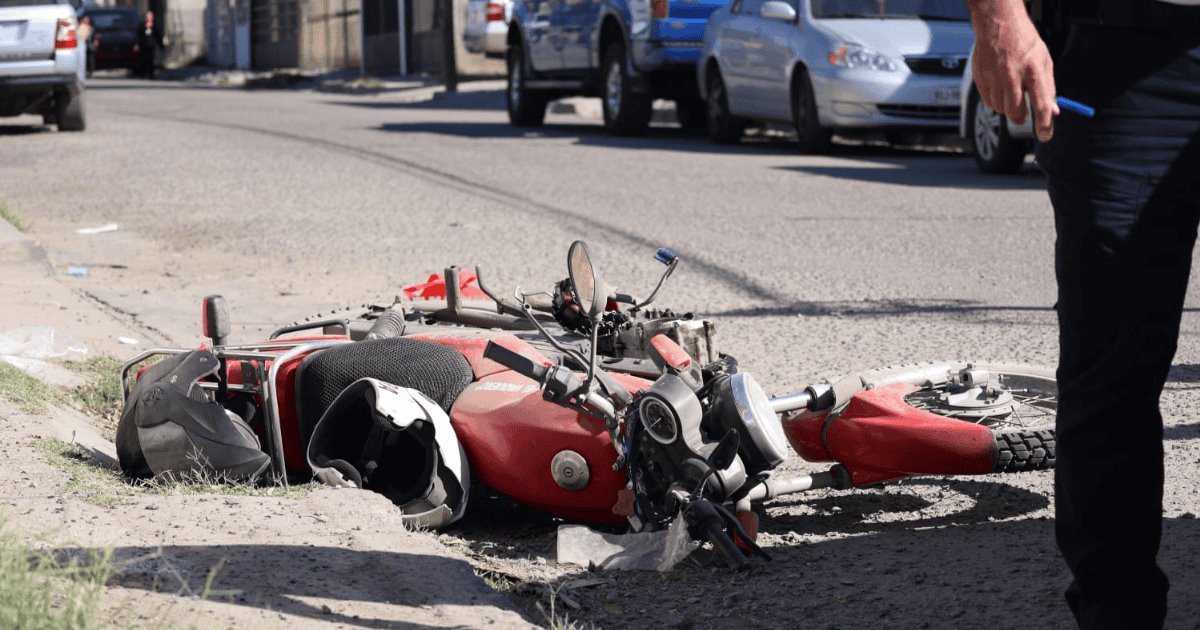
1025, 437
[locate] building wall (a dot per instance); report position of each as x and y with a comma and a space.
330, 37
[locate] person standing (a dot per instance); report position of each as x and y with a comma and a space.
1126, 206
147, 47
86, 36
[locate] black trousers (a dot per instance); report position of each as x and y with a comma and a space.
1125, 187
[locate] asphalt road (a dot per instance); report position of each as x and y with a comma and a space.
290, 203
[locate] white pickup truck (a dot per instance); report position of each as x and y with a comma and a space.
42, 63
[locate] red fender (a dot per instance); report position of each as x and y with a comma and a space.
878, 437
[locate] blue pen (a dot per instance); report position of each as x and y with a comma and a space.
1076, 107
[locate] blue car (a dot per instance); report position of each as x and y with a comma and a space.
628, 52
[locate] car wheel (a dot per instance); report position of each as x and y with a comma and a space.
69, 111
995, 150
526, 107
723, 127
625, 112
810, 135
690, 112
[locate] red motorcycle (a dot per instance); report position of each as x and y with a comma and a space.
584, 403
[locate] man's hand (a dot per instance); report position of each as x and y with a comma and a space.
1011, 61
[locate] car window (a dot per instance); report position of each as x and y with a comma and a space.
113, 20
941, 10
750, 7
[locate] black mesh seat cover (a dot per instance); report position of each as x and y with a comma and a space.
432, 369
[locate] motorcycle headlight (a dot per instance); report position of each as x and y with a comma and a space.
762, 425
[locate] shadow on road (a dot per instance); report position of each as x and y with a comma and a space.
23, 130
492, 100
875, 308
939, 171
278, 577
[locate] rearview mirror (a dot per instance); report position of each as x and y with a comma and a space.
777, 10
585, 280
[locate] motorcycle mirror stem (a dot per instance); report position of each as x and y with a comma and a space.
671, 260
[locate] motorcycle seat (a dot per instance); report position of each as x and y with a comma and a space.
439, 372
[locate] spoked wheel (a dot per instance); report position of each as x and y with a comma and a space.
1019, 403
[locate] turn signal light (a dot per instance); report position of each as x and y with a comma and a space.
495, 12
65, 36
658, 8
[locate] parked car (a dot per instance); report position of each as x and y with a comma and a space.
486, 28
42, 64
822, 65
628, 52
117, 36
998, 145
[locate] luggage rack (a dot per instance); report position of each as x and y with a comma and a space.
257, 356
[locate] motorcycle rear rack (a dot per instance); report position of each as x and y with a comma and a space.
277, 353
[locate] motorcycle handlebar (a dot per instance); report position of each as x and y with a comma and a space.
704, 519
515, 362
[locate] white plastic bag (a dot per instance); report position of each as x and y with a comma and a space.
649, 551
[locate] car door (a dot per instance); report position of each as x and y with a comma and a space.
777, 43
544, 54
737, 54
575, 22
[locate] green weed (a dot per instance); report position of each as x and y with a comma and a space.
41, 591
12, 217
29, 394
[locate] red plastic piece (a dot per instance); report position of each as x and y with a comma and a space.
879, 437
670, 351
435, 287
749, 522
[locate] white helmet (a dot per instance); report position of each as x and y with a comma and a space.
397, 442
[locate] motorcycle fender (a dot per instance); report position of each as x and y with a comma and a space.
878, 436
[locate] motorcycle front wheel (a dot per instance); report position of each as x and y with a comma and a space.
1019, 403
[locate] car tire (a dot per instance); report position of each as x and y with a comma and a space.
810, 135
69, 112
526, 107
626, 112
723, 127
994, 149
690, 112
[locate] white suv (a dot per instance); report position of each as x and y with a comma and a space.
42, 63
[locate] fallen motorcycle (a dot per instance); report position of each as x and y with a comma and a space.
582, 402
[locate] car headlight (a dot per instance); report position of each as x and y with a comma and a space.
855, 56
754, 409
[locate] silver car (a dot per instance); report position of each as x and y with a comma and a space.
486, 28
821, 65
999, 146
42, 62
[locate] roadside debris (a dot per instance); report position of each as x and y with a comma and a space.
29, 348
88, 231
650, 551
77, 272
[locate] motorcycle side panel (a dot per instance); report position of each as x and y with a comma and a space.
878, 436
511, 436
